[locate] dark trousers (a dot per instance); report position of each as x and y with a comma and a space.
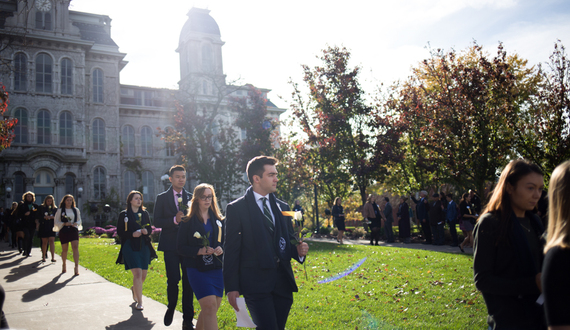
3, 322
453, 231
388, 230
437, 232
269, 311
13, 237
427, 230
173, 265
28, 239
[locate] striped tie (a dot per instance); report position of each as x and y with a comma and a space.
267, 215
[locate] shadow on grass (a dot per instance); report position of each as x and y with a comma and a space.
46, 289
137, 320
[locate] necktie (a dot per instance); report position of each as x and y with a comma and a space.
178, 196
267, 215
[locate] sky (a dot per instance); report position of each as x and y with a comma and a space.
266, 42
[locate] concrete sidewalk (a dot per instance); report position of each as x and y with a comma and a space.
39, 296
417, 246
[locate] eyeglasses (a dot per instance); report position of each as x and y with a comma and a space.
207, 198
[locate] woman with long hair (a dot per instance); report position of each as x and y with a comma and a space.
200, 242
338, 217
45, 230
468, 217
26, 214
507, 257
134, 229
67, 222
556, 265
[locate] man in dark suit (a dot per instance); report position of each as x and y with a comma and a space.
437, 219
388, 221
169, 209
258, 249
422, 207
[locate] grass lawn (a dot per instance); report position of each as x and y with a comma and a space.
393, 289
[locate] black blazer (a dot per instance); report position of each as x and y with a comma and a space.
28, 221
164, 212
249, 263
137, 243
188, 245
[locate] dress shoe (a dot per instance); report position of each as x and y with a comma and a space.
139, 307
168, 317
187, 325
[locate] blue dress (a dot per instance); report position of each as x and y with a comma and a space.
135, 259
208, 283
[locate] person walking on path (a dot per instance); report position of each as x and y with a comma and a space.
451, 219
507, 258
338, 216
134, 228
200, 241
422, 207
169, 209
436, 219
404, 221
259, 248
388, 220
556, 265
12, 219
67, 222
45, 230
468, 217
369, 215
27, 214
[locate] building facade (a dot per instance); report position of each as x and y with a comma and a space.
80, 131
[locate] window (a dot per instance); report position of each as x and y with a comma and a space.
20, 72
130, 182
65, 129
99, 183
148, 186
128, 139
43, 21
98, 135
97, 86
66, 77
19, 185
21, 128
243, 134
169, 147
138, 98
146, 141
207, 58
148, 99
43, 73
44, 127
204, 88
69, 184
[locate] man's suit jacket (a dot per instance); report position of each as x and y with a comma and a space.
423, 209
249, 249
164, 212
388, 212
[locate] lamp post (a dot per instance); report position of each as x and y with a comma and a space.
164, 180
79, 191
8, 191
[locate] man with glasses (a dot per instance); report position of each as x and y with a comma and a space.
169, 209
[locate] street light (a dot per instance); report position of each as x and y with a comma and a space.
8, 191
79, 191
164, 180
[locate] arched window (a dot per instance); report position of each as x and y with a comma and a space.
97, 86
207, 58
65, 129
70, 184
44, 127
169, 148
20, 72
130, 182
43, 185
21, 128
66, 76
43, 73
99, 135
99, 180
43, 21
128, 139
148, 186
146, 141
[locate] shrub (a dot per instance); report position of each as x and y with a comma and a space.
334, 232
358, 232
324, 230
88, 232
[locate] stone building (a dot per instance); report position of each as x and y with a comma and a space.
80, 131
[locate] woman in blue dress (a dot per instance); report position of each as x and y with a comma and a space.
134, 229
200, 241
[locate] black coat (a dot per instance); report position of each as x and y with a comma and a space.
164, 212
249, 262
26, 221
188, 245
137, 243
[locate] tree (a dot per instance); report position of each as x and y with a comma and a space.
464, 106
349, 142
6, 125
543, 130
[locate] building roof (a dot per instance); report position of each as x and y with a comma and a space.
95, 33
199, 21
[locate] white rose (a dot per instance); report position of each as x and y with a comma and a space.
298, 215
45, 213
197, 235
179, 199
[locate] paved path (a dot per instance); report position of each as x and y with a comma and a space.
39, 297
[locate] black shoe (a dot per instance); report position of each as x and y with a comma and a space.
168, 317
460, 248
187, 325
